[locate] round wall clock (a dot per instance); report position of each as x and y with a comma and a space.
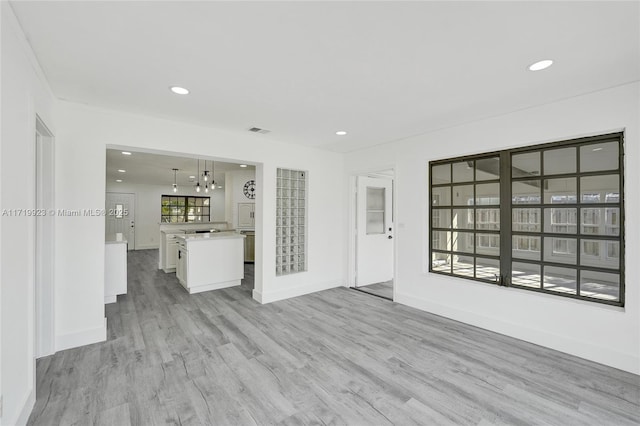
250, 189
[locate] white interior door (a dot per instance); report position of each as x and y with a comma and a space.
374, 222
44, 288
121, 216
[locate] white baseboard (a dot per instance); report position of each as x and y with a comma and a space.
586, 350
81, 338
25, 411
287, 293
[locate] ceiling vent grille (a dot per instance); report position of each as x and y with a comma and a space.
258, 130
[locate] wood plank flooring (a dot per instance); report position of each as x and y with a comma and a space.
334, 357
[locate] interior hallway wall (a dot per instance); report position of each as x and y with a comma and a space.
25, 93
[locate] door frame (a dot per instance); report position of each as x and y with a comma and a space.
130, 246
352, 251
44, 242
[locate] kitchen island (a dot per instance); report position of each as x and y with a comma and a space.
210, 261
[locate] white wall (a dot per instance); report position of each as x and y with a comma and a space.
24, 94
605, 334
85, 133
147, 208
234, 183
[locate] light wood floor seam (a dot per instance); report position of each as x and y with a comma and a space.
337, 357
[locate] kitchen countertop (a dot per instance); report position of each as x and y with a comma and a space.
209, 236
114, 239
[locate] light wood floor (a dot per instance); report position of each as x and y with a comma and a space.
334, 357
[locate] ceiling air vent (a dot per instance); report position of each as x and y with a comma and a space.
258, 130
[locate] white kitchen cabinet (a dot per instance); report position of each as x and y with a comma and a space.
210, 261
172, 254
182, 259
115, 268
246, 215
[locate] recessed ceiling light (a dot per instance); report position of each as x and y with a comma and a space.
179, 90
540, 65
597, 149
220, 186
118, 180
126, 153
341, 133
192, 177
121, 170
243, 165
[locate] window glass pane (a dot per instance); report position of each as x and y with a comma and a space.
527, 164
441, 196
596, 157
488, 244
561, 160
560, 191
487, 269
441, 262
600, 221
375, 198
441, 240
525, 247
526, 220
375, 223
206, 202
600, 285
488, 194
191, 201
561, 221
560, 279
463, 171
600, 189
463, 265
441, 174
441, 218
525, 274
526, 192
463, 195
462, 218
488, 169
462, 242
488, 219
600, 253
560, 250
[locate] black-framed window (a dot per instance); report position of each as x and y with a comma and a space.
547, 218
180, 209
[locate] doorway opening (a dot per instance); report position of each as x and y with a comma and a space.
44, 241
373, 233
169, 199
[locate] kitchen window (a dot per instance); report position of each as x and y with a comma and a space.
547, 218
182, 209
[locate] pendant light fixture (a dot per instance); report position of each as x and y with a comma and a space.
175, 182
205, 174
213, 172
198, 184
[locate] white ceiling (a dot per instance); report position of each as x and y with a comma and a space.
154, 169
380, 70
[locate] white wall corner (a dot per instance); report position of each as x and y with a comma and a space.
587, 350
287, 293
25, 412
81, 338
